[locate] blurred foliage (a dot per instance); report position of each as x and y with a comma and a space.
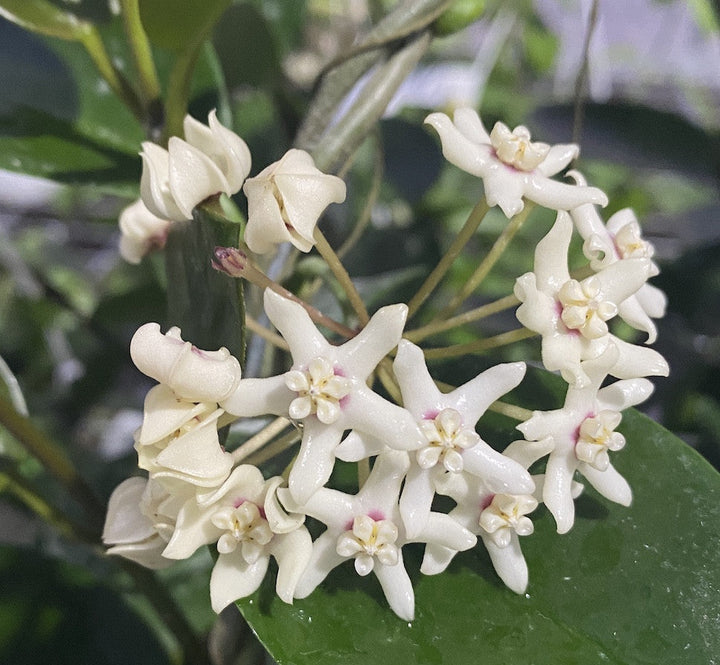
69, 305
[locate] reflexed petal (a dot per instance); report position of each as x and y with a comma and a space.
155, 183
258, 397
292, 551
437, 558
381, 335
315, 459
124, 523
509, 563
609, 483
233, 578
193, 176
474, 397
323, 559
441, 529
296, 326
418, 389
637, 361
416, 500
368, 413
557, 491
397, 587
557, 158
501, 473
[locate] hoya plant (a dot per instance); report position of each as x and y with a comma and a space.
380, 374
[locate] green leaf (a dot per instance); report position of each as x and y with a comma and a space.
627, 586
58, 118
57, 612
172, 24
207, 305
246, 49
44, 17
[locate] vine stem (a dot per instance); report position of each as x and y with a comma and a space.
141, 51
342, 276
52, 457
236, 263
441, 325
480, 345
277, 447
149, 585
96, 50
268, 335
487, 264
458, 244
511, 411
11, 480
254, 443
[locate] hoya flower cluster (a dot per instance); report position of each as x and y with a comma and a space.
427, 441
284, 201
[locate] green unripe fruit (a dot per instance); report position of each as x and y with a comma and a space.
458, 16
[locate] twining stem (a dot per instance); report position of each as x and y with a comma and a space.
52, 457
12, 481
345, 136
236, 263
480, 345
277, 447
487, 264
441, 325
141, 52
149, 585
363, 471
96, 50
511, 411
254, 443
370, 199
268, 335
387, 378
342, 276
16, 395
471, 224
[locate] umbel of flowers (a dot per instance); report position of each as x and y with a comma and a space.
424, 442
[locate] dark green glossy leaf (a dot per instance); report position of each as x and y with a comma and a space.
207, 305
627, 586
58, 118
55, 612
173, 24
45, 17
245, 47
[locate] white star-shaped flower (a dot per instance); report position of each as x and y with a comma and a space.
618, 240
368, 528
285, 201
140, 521
510, 165
192, 374
451, 444
178, 441
326, 390
141, 231
236, 517
571, 315
582, 433
210, 160
499, 518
